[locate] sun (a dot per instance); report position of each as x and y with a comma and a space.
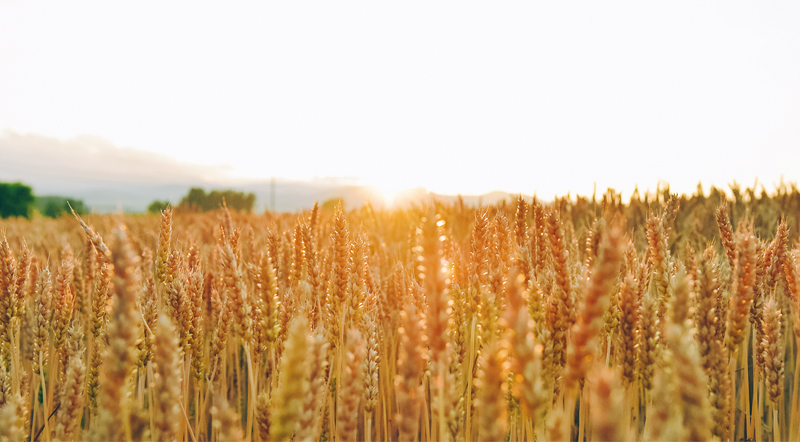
388, 190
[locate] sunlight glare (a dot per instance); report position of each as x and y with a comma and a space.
389, 190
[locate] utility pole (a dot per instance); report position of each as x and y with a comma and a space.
272, 194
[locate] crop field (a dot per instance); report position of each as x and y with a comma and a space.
656, 318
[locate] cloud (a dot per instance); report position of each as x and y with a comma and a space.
109, 178
52, 163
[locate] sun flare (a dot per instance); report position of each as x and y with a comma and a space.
388, 190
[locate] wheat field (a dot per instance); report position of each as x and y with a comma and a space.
659, 318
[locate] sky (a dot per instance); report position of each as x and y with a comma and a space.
545, 98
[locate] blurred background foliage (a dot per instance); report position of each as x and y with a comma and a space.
16, 200
197, 200
55, 206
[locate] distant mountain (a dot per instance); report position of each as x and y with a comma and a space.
419, 194
109, 178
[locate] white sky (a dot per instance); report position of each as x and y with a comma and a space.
456, 97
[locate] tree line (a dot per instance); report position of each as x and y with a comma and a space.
197, 200
18, 200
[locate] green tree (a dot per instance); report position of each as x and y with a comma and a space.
55, 206
332, 204
195, 200
16, 199
198, 200
157, 206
